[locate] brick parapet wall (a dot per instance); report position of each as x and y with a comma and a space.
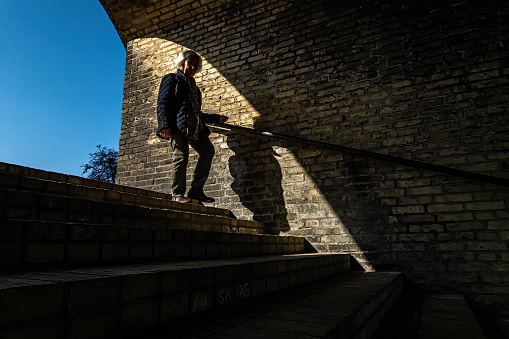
426, 81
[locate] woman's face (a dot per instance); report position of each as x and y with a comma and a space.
191, 66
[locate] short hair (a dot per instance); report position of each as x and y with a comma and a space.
183, 56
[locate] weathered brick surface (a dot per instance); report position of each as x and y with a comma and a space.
425, 80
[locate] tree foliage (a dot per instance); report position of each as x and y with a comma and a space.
102, 165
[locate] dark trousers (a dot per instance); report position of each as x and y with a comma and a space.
180, 146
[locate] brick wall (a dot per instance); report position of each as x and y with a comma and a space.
423, 80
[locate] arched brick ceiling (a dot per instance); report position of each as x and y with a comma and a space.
142, 18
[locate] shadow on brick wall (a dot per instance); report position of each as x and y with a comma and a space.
257, 180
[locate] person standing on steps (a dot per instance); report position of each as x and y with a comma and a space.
179, 119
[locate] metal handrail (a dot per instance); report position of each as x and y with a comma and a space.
388, 158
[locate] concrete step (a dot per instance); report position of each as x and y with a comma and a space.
37, 244
418, 314
43, 206
448, 316
50, 185
116, 301
346, 306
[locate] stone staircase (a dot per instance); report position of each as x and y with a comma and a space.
85, 259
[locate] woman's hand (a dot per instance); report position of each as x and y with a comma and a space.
165, 133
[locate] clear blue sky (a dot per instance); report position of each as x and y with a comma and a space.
62, 73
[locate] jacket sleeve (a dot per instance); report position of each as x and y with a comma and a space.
165, 99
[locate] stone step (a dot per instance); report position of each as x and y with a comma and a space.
418, 314
35, 244
43, 206
25, 179
115, 301
346, 306
448, 316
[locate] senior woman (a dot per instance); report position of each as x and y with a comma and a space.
180, 120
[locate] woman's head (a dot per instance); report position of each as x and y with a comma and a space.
189, 62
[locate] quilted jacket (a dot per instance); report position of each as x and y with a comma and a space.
173, 103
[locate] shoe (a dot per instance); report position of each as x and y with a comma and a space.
198, 194
182, 200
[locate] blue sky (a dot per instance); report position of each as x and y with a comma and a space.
62, 73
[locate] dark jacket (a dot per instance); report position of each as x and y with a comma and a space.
173, 104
